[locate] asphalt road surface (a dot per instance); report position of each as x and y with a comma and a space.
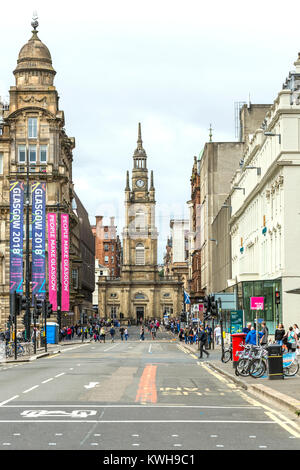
149, 395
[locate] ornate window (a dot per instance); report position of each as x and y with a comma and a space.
140, 254
32, 128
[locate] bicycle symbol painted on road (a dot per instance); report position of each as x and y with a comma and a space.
58, 413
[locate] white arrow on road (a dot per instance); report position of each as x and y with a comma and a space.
91, 385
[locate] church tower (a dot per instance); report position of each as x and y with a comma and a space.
140, 233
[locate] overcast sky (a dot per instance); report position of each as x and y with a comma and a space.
174, 66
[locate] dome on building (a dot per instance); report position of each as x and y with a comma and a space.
34, 55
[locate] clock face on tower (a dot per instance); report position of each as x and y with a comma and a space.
140, 183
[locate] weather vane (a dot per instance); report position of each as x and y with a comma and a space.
34, 22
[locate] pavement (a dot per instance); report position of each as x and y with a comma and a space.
285, 391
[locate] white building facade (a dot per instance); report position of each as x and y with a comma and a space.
265, 217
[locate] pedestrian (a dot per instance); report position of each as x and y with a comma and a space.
153, 331
142, 333
202, 341
247, 329
292, 340
181, 335
102, 334
251, 337
209, 336
126, 334
217, 334
186, 335
279, 334
265, 334
122, 333
296, 330
69, 333
112, 334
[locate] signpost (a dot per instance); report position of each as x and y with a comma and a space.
236, 321
257, 303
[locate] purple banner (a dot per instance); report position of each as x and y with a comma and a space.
16, 210
38, 239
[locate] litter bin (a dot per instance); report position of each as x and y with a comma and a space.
237, 339
275, 362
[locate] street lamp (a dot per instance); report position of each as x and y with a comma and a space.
272, 134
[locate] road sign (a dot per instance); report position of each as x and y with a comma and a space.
257, 303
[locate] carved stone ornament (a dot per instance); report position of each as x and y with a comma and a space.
33, 99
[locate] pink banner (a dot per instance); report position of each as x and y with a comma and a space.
65, 280
52, 260
257, 303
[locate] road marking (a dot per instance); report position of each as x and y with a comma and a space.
30, 389
59, 375
108, 349
91, 385
149, 351
10, 399
283, 425
147, 386
48, 380
149, 421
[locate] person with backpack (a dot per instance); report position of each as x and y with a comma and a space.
202, 342
122, 333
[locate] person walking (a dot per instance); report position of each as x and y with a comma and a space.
279, 334
122, 333
265, 334
142, 333
202, 342
251, 336
217, 334
126, 334
292, 340
112, 334
102, 334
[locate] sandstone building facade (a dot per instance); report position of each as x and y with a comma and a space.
32, 132
140, 293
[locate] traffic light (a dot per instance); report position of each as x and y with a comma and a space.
207, 304
38, 306
213, 306
49, 310
277, 297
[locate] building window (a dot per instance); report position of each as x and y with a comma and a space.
22, 154
112, 259
32, 128
112, 272
106, 247
106, 259
43, 153
32, 153
1, 163
140, 254
106, 235
75, 278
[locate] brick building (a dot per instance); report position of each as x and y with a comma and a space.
108, 248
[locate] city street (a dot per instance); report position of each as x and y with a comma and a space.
133, 395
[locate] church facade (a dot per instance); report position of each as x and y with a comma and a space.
141, 293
